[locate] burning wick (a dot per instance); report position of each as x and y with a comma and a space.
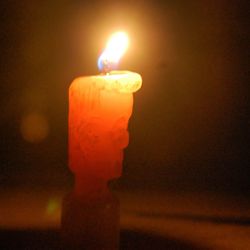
106, 67
115, 49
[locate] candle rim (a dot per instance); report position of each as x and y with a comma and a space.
122, 81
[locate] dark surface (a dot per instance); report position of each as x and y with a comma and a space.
50, 239
188, 220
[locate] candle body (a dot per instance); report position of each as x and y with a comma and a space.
99, 111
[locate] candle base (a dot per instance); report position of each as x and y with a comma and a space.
90, 223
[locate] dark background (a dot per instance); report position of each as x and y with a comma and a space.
190, 124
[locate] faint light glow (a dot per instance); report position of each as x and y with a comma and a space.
53, 206
115, 49
34, 127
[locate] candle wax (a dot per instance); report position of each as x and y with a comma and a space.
99, 111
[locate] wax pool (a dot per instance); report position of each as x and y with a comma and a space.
99, 110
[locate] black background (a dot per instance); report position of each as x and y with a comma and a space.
190, 124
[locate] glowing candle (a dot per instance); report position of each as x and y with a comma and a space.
99, 110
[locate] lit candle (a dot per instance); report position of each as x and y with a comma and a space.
99, 110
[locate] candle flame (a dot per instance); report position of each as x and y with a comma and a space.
115, 49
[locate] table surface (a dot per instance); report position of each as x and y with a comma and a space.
180, 220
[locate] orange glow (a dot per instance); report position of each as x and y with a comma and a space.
34, 127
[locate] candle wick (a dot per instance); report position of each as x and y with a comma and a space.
106, 67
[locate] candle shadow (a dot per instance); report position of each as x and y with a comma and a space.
136, 240
234, 220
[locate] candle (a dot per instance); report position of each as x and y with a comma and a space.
99, 110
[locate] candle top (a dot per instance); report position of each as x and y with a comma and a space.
120, 81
